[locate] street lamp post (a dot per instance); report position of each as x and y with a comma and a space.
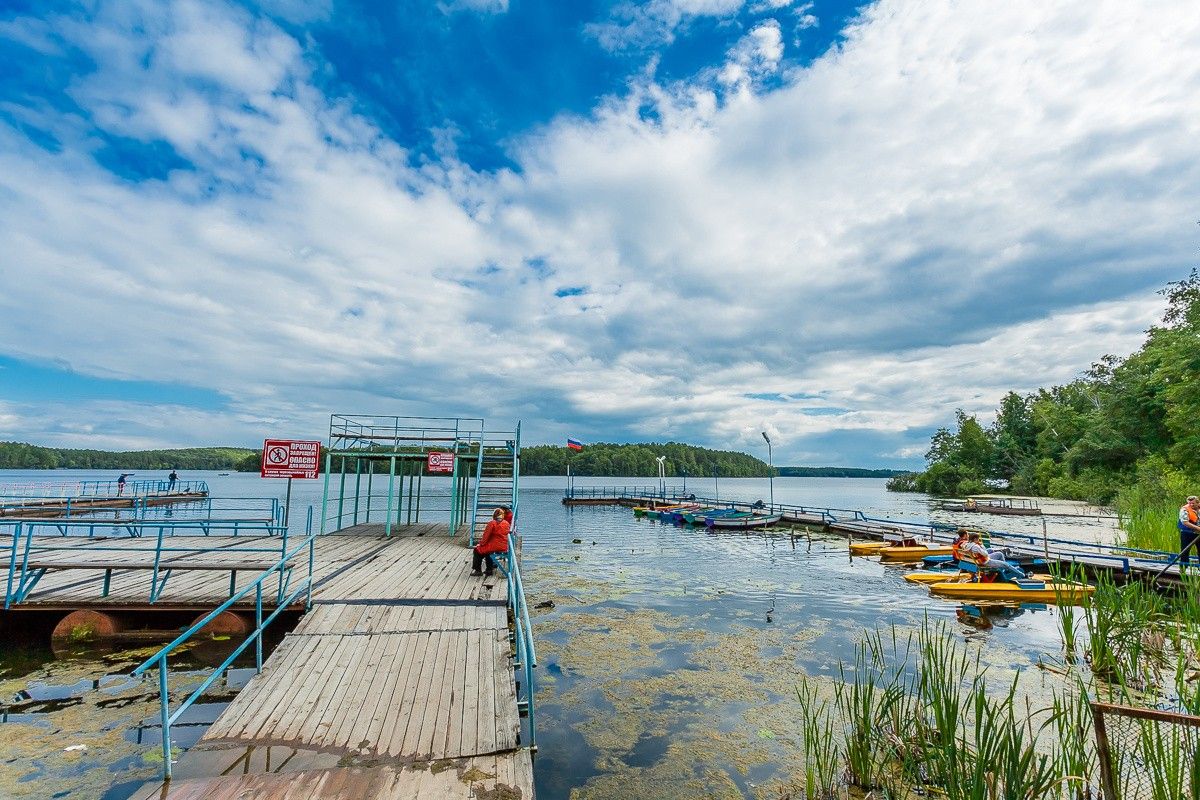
771, 461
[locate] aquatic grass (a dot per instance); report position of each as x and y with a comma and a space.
822, 753
1075, 753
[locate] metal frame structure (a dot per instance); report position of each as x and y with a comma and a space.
404, 445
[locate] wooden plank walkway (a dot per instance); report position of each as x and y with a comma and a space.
402, 673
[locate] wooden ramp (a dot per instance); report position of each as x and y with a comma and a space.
398, 684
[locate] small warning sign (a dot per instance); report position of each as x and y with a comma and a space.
438, 461
288, 458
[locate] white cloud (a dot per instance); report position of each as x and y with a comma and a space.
963, 198
755, 56
655, 22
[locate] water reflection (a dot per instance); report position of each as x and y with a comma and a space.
671, 653
75, 724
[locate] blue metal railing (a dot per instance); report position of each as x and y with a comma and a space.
475, 492
159, 659
142, 488
624, 492
30, 558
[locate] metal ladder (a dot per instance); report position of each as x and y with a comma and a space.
496, 478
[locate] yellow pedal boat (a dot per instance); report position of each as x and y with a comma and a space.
1009, 591
941, 576
912, 553
867, 548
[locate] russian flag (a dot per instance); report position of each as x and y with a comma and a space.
574, 444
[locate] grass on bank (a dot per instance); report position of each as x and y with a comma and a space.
915, 714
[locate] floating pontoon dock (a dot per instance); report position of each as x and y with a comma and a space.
1122, 563
91, 497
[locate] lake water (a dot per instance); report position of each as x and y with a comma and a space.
667, 662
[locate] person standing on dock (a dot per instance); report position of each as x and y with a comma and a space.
1189, 529
494, 540
171, 479
121, 483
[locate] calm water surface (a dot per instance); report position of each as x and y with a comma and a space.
667, 656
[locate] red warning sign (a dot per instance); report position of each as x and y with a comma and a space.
288, 458
438, 461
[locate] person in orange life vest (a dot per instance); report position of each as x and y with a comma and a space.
975, 550
494, 540
1189, 528
959, 541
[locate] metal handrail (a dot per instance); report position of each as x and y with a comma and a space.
475, 492
159, 659
27, 578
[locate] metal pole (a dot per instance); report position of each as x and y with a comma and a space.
287, 505
420, 472
258, 659
771, 461
391, 492
370, 479
357, 486
325, 491
341, 493
165, 716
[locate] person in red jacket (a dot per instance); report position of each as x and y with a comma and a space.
494, 540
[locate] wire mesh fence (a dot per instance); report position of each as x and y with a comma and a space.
1147, 754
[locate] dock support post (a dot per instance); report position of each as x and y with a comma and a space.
417, 509
411, 478
341, 493
370, 481
165, 717
391, 493
357, 486
325, 491
454, 493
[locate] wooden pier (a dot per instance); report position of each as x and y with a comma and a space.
1122, 564
398, 683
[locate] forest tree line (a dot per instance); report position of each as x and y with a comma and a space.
1126, 432
638, 460
19, 455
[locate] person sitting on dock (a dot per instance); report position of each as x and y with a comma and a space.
993, 560
494, 540
1189, 529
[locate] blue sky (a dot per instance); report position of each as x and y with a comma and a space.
675, 219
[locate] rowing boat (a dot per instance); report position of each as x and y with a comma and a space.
742, 521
